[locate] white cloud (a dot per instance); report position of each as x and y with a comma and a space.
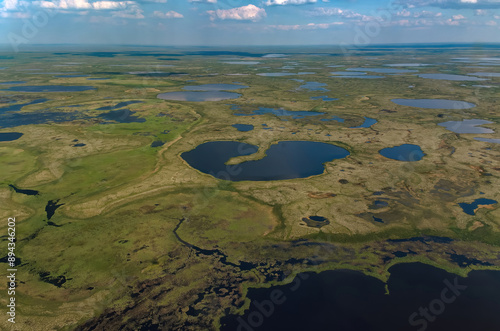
134, 12
451, 4
288, 2
84, 4
249, 13
10, 5
12, 9
204, 1
122, 9
5, 14
169, 14
331, 11
310, 26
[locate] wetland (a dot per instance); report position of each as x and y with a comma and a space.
145, 200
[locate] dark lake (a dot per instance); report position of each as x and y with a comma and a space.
49, 88
314, 86
334, 118
366, 124
285, 160
243, 127
19, 106
434, 103
51, 208
39, 117
449, 77
26, 192
214, 87
405, 152
13, 82
199, 96
324, 98
122, 116
10, 136
467, 126
421, 297
469, 208
315, 221
280, 112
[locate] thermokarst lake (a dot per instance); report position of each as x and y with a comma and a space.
200, 93
280, 112
434, 103
49, 88
284, 160
467, 126
405, 152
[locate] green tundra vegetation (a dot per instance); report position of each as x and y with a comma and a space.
142, 237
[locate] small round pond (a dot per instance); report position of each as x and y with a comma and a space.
405, 152
243, 127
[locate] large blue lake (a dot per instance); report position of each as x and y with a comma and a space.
285, 160
405, 152
450, 77
417, 297
467, 126
199, 96
49, 88
434, 103
280, 112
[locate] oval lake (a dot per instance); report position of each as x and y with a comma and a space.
405, 152
198, 96
434, 103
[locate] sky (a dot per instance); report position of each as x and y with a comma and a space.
254, 22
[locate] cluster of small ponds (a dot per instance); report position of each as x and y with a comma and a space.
11, 116
307, 158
